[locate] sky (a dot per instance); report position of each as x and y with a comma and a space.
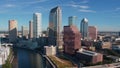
104, 14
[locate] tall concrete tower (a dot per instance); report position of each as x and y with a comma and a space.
37, 29
31, 29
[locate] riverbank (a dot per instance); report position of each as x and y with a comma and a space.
8, 62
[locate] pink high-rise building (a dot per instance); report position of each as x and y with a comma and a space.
12, 30
71, 39
92, 32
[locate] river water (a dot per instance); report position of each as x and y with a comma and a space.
28, 59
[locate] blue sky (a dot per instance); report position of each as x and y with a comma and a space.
105, 14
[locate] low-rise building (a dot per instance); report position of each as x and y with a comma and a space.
114, 58
102, 45
106, 45
115, 47
50, 50
89, 57
87, 43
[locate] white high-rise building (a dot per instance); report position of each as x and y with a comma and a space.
24, 31
37, 21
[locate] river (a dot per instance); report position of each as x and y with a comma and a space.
28, 59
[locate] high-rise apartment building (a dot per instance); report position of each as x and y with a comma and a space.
31, 29
92, 30
84, 28
12, 30
25, 31
72, 39
37, 29
72, 20
55, 20
0, 42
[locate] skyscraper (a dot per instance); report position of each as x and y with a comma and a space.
31, 29
92, 32
72, 39
0, 42
24, 31
84, 28
72, 20
37, 29
12, 30
55, 20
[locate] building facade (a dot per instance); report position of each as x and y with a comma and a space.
25, 31
92, 30
37, 29
12, 30
55, 21
31, 29
84, 28
50, 50
72, 39
72, 20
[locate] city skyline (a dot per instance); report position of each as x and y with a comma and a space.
103, 14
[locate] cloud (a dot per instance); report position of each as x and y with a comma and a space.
84, 7
86, 10
73, 5
34, 2
79, 6
117, 9
9, 6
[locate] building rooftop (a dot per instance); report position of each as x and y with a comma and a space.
90, 53
113, 57
85, 20
49, 46
72, 27
54, 9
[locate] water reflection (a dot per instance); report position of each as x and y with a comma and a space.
36, 61
29, 59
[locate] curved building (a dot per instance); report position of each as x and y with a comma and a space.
84, 28
55, 20
37, 29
